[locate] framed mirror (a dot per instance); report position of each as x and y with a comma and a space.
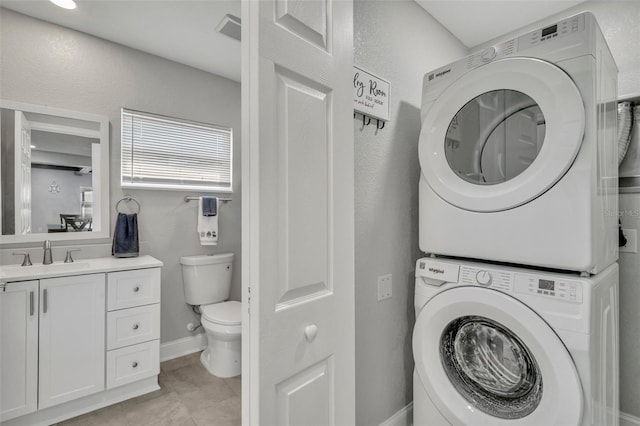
54, 180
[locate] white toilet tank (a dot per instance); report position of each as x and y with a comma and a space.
206, 278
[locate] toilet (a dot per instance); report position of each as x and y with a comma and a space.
207, 283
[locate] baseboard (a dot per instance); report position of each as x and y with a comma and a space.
181, 347
404, 417
629, 420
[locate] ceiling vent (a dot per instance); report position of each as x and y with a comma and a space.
230, 26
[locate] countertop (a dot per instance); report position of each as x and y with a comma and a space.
16, 272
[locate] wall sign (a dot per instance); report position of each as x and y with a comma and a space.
370, 94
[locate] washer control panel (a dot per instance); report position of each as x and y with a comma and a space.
557, 288
436, 272
545, 285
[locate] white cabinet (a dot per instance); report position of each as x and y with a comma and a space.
133, 326
77, 341
72, 338
52, 343
18, 349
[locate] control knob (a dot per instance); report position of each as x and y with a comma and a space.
488, 54
483, 277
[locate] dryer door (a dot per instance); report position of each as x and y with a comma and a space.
485, 358
502, 134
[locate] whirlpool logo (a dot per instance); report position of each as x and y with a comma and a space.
438, 74
436, 271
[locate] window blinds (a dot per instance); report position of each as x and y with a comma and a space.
165, 153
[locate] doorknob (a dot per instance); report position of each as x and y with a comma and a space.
310, 332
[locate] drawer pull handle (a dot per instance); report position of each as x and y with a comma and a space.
136, 289
135, 364
136, 326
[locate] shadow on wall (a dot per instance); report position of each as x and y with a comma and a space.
409, 116
387, 234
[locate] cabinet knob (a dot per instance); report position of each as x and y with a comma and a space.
135, 364
136, 289
136, 326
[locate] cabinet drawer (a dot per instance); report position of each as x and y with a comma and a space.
127, 327
133, 363
127, 289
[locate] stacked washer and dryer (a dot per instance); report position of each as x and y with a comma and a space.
517, 301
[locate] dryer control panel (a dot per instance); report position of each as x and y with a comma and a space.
564, 28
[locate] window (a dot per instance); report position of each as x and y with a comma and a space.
167, 153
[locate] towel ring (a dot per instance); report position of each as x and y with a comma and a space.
127, 199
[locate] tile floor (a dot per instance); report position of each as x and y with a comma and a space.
189, 396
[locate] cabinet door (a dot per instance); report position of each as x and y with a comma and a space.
18, 349
72, 336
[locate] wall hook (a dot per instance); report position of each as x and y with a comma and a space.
368, 120
378, 126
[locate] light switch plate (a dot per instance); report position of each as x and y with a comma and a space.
384, 287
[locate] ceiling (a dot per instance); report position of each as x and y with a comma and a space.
185, 30
475, 22
180, 30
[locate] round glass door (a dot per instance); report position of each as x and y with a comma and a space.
491, 367
495, 137
501, 134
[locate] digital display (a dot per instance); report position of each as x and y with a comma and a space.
549, 30
546, 285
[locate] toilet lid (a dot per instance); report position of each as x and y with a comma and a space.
225, 313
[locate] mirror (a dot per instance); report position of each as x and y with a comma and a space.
55, 174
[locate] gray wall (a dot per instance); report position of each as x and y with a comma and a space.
400, 42
46, 64
46, 206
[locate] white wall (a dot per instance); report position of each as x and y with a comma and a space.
46, 64
620, 24
400, 42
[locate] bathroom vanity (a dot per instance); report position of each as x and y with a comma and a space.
75, 337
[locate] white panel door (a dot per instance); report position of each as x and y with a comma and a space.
298, 203
22, 174
18, 349
72, 338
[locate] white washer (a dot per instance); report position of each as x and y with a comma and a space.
518, 143
497, 345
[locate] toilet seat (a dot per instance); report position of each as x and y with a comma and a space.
225, 313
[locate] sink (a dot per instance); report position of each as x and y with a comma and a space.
11, 272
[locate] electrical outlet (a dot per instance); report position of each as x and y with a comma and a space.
384, 287
632, 241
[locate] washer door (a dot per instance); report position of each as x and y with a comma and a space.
502, 134
485, 358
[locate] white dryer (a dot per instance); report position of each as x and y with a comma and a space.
497, 345
518, 152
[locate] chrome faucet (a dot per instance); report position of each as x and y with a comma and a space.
47, 260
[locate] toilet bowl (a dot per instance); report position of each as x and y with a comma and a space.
222, 324
207, 284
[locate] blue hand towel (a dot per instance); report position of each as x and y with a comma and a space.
125, 236
209, 206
